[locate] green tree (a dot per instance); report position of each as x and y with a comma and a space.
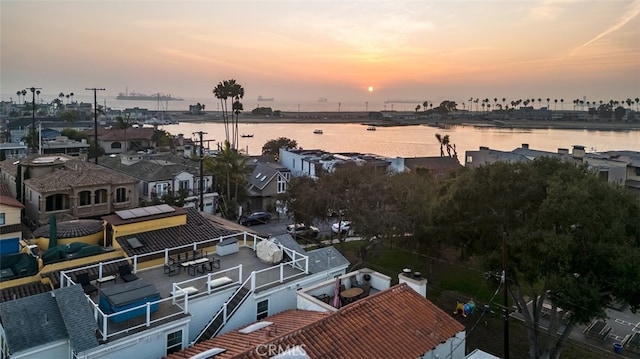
74, 134
571, 239
69, 116
272, 147
230, 168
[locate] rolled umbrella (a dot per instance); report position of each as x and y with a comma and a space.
53, 232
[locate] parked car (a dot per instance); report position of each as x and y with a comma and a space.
255, 218
341, 227
301, 230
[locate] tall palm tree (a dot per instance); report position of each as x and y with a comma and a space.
424, 105
562, 104
24, 93
236, 93
71, 95
637, 100
221, 92
18, 93
548, 100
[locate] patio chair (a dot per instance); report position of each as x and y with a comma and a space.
172, 269
125, 273
83, 279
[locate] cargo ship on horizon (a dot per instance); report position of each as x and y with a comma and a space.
136, 96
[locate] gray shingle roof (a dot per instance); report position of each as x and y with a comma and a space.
44, 318
264, 173
77, 317
32, 321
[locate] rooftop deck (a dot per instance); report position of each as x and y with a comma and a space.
241, 268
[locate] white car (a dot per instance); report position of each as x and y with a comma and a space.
343, 226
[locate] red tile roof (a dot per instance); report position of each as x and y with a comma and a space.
395, 323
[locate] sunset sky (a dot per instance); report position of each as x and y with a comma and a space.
306, 49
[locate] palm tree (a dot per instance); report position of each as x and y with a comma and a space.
637, 100
71, 95
24, 93
548, 100
18, 93
424, 105
562, 104
236, 93
441, 142
230, 168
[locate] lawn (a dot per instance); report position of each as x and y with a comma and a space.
451, 280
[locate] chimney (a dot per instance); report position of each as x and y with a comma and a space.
180, 139
413, 280
563, 151
578, 151
525, 146
484, 148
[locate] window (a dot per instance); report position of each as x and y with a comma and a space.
145, 188
282, 184
121, 195
100, 196
469, 159
56, 202
116, 145
162, 189
174, 342
84, 198
263, 309
2, 219
183, 185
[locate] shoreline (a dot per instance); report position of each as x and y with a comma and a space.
361, 118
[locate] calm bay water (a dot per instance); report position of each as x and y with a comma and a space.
411, 141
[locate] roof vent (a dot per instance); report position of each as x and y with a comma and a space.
406, 272
209, 353
417, 275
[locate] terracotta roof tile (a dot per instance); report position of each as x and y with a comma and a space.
78, 173
395, 323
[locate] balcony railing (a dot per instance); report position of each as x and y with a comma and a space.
178, 303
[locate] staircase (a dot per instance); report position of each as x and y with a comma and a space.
218, 321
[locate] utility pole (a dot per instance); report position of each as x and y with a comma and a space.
33, 119
95, 118
201, 134
505, 296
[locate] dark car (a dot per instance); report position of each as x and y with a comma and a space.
255, 218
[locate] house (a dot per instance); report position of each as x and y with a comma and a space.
266, 182
485, 155
13, 151
56, 324
62, 144
61, 184
10, 221
187, 279
115, 141
621, 167
313, 162
165, 174
397, 322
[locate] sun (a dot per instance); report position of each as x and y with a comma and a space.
370, 89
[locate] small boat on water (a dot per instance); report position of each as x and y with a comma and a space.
371, 128
243, 135
317, 131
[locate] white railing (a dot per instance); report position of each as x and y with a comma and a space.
298, 261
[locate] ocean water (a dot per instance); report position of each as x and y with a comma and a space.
213, 104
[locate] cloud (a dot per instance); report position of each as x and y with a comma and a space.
629, 14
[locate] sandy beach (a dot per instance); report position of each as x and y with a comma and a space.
361, 117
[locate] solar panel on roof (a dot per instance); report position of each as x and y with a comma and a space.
145, 211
